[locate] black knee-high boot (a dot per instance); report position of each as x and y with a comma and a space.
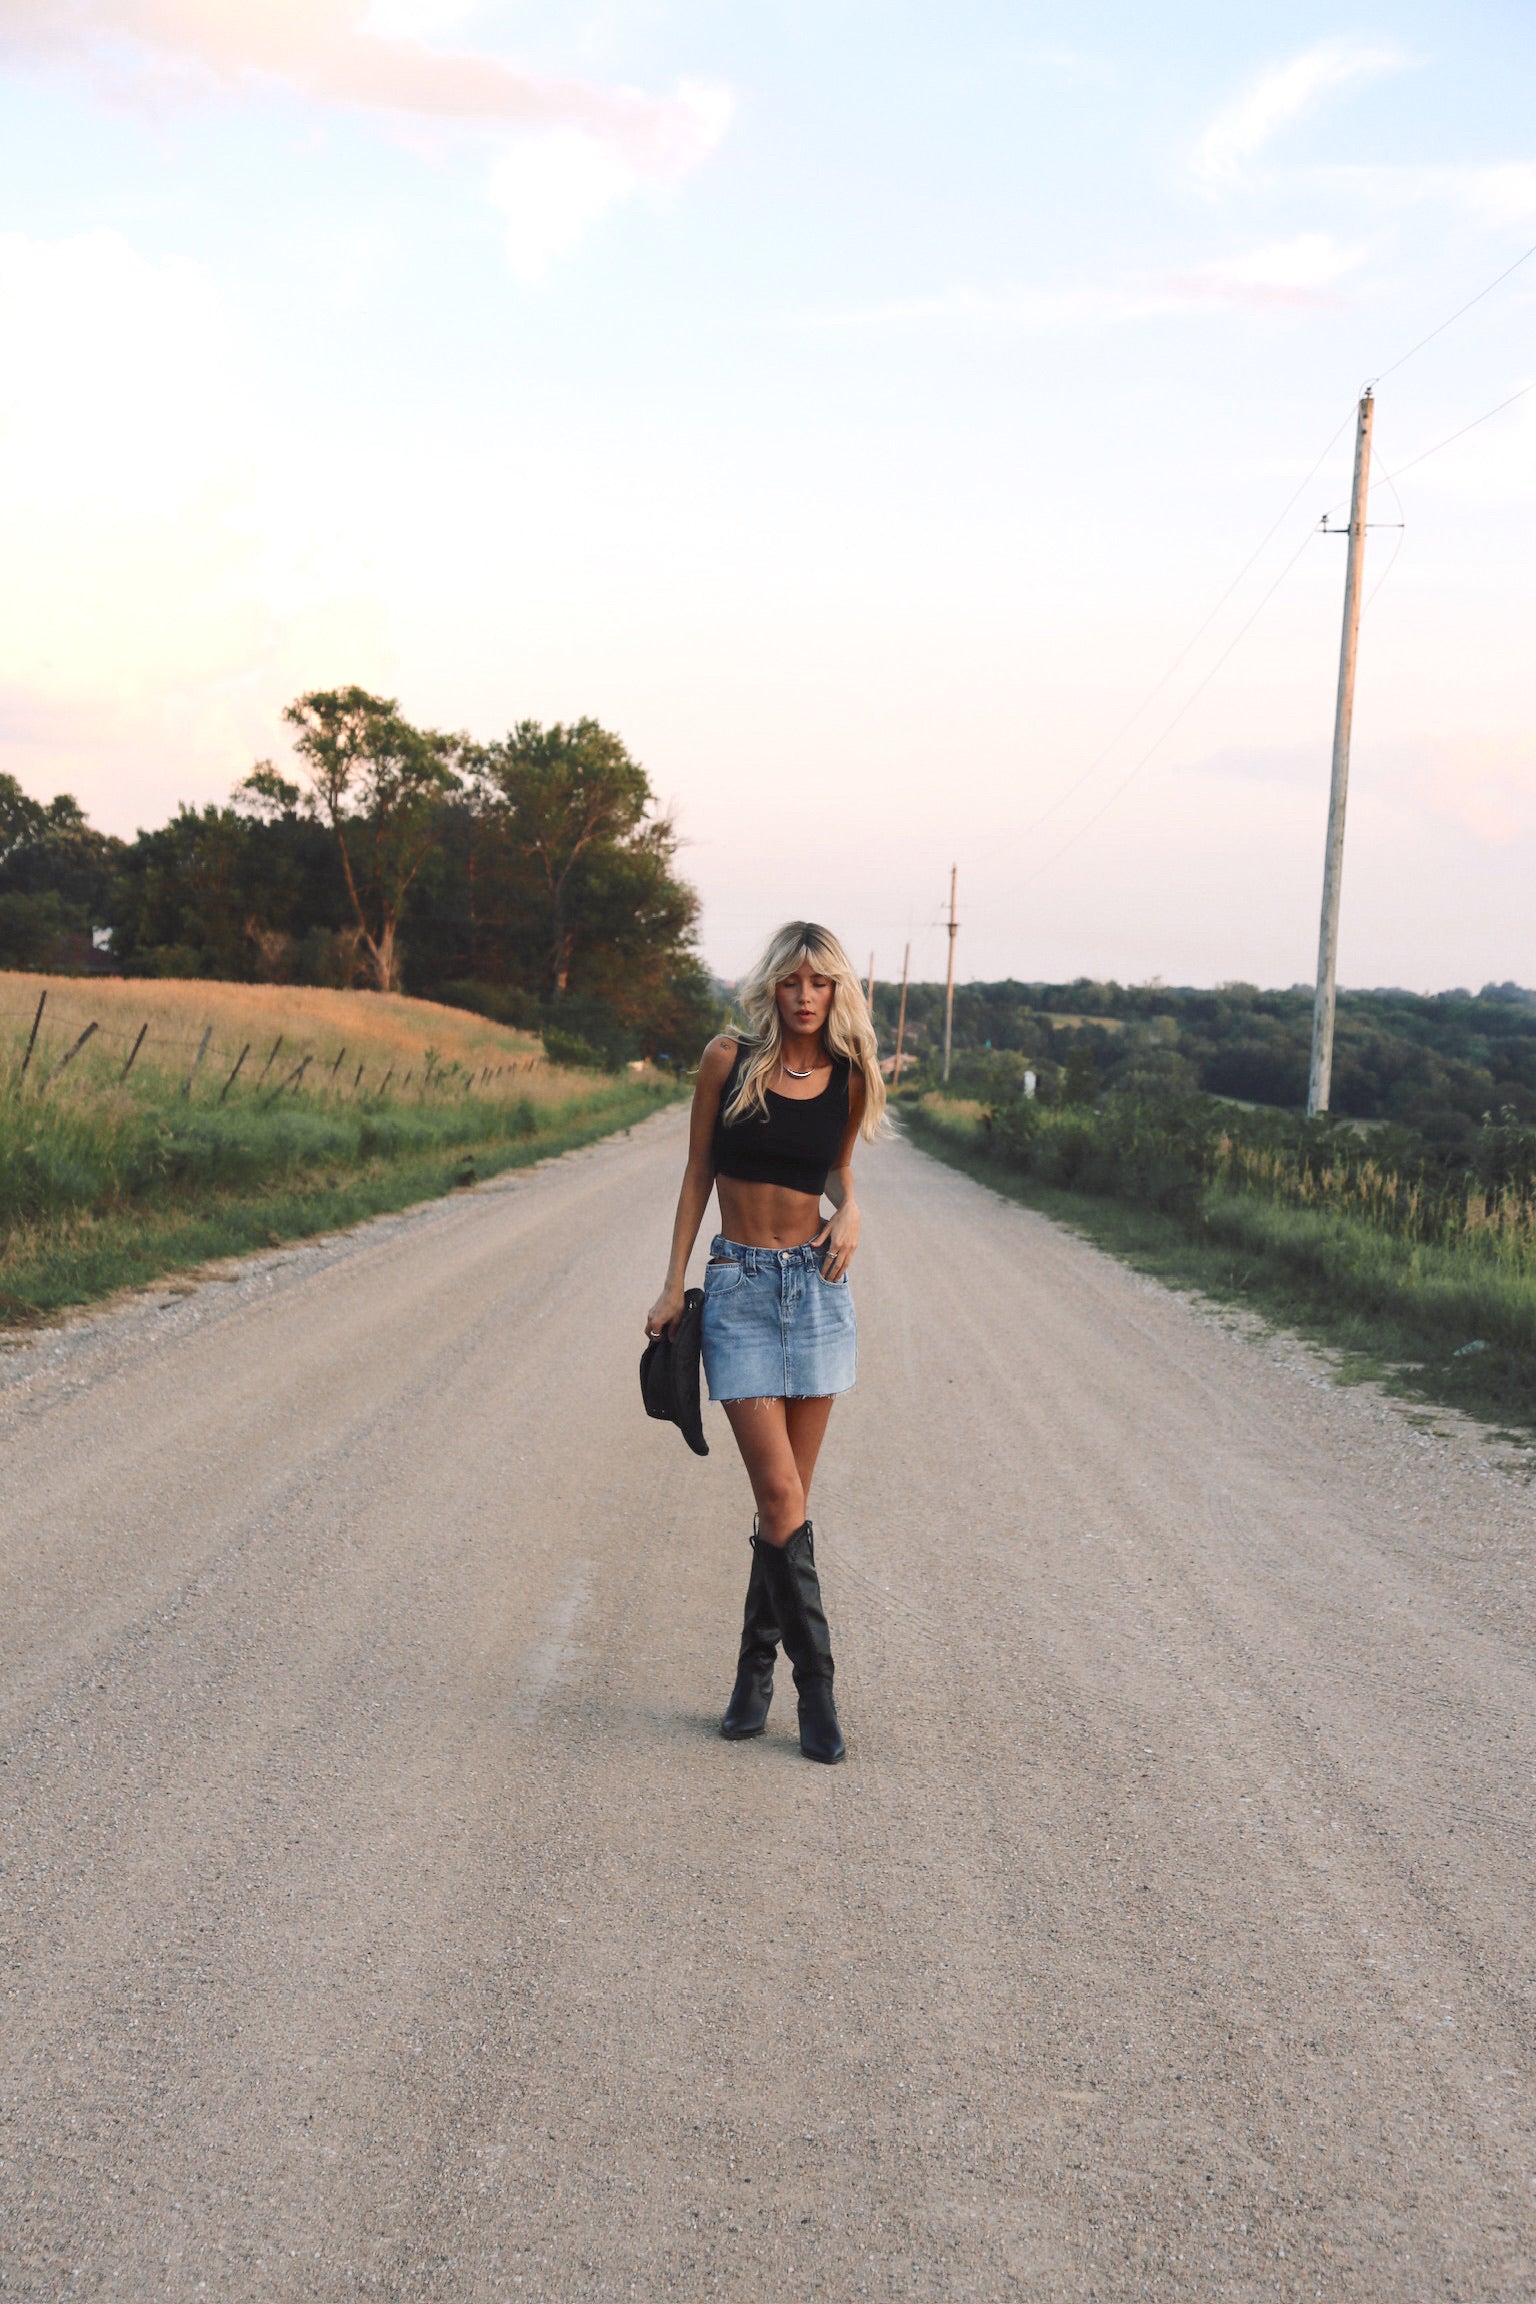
747, 1712
795, 1594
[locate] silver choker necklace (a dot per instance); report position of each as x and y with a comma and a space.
790, 1073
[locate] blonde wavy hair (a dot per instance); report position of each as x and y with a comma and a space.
849, 1030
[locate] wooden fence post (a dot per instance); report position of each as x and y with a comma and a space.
292, 1081
65, 1061
132, 1053
42, 1002
202, 1050
234, 1076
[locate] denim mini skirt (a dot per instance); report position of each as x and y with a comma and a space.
772, 1328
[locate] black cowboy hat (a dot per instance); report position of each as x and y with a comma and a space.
669, 1374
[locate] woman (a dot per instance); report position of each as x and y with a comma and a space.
776, 1115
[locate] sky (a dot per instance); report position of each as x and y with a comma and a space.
908, 427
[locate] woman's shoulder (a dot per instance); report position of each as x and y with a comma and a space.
720, 1054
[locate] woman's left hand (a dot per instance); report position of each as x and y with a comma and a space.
839, 1237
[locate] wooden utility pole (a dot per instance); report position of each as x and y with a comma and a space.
901, 1021
1321, 1078
949, 989
869, 995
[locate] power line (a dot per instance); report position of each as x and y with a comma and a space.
1488, 413
1193, 642
1077, 783
1152, 694
1182, 713
1392, 478
1402, 533
1461, 311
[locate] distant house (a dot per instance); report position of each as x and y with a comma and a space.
84, 952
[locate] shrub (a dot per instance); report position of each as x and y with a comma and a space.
1170, 1152
502, 1003
995, 1074
1157, 1151
1080, 1075
569, 1048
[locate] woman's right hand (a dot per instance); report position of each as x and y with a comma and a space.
667, 1308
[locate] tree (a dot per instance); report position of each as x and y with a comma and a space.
55, 880
573, 800
21, 818
236, 893
182, 903
535, 880
379, 784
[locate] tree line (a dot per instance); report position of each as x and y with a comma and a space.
1437, 1065
532, 879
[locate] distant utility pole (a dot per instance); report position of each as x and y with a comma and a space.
870, 994
1321, 1078
949, 989
901, 1021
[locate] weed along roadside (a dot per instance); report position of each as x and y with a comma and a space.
149, 1127
1434, 1293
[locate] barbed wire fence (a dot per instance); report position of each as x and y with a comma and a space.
39, 1053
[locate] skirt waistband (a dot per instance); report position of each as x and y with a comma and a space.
764, 1259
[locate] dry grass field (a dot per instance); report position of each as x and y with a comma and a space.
153, 1125
380, 1031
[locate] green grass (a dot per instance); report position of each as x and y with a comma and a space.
104, 1192
1396, 1311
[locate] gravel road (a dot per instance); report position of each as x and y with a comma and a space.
383, 1916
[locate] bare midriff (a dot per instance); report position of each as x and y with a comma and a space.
766, 1215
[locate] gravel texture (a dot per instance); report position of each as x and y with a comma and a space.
383, 1916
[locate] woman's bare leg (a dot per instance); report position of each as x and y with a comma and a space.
807, 1423
779, 1442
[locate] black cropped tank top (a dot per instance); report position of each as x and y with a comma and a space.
794, 1144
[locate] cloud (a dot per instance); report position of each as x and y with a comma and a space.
587, 145
1485, 785
169, 566
550, 188
1498, 196
1296, 271
1283, 93
552, 185
1299, 271
1036, 311
414, 19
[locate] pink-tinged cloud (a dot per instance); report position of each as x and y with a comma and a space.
1486, 785
323, 49
1299, 271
